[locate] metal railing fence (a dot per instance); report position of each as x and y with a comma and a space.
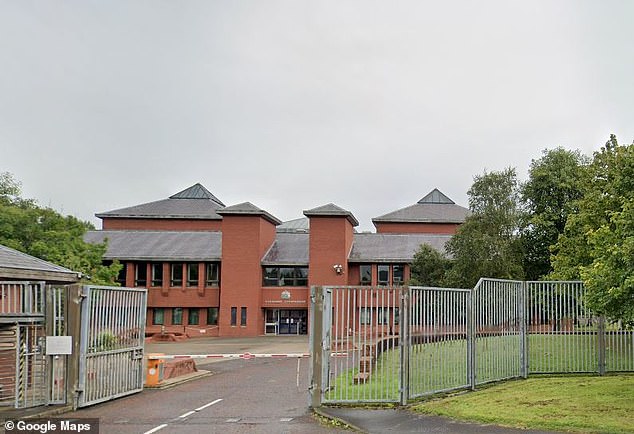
22, 298
392, 344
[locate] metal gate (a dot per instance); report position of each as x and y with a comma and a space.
392, 344
23, 363
111, 345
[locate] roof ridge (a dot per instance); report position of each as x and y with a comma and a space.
197, 191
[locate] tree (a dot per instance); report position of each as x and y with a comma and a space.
598, 242
487, 244
46, 234
428, 267
549, 195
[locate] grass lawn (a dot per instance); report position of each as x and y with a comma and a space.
442, 365
574, 404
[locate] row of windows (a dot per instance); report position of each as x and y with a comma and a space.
243, 316
383, 274
178, 271
382, 315
193, 316
272, 276
285, 276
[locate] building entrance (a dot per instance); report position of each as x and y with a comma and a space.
286, 321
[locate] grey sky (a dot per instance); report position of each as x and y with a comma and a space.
294, 104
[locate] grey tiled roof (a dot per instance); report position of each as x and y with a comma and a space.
331, 210
160, 245
196, 191
301, 224
288, 249
11, 259
247, 208
392, 247
433, 208
436, 196
196, 202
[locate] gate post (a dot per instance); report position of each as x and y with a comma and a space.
471, 338
601, 345
523, 317
73, 328
404, 343
316, 320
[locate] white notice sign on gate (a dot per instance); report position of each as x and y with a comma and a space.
56, 345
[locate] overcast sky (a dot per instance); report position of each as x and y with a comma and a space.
294, 104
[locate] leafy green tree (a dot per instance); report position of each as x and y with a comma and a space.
46, 234
428, 267
549, 195
598, 242
488, 244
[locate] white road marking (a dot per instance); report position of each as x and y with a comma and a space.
209, 404
189, 413
158, 428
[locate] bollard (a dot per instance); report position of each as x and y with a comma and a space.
154, 375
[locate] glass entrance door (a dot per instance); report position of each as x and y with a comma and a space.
293, 322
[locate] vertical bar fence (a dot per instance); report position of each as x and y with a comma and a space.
393, 344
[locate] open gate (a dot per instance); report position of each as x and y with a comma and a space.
111, 345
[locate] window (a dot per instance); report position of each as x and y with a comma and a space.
158, 316
193, 317
398, 274
177, 315
384, 274
212, 316
285, 276
396, 315
365, 315
121, 277
234, 314
365, 274
383, 316
212, 274
243, 316
177, 274
156, 270
192, 275
140, 274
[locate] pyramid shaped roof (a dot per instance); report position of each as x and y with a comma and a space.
435, 207
195, 202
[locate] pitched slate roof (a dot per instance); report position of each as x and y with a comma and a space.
288, 249
331, 210
247, 208
301, 224
159, 245
195, 202
18, 265
392, 247
435, 207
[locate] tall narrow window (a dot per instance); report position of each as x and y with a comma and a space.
158, 316
234, 316
212, 274
243, 316
365, 274
398, 274
212, 316
157, 273
176, 274
192, 275
121, 277
384, 274
194, 317
177, 315
140, 274
365, 316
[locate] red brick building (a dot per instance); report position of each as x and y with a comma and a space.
239, 271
